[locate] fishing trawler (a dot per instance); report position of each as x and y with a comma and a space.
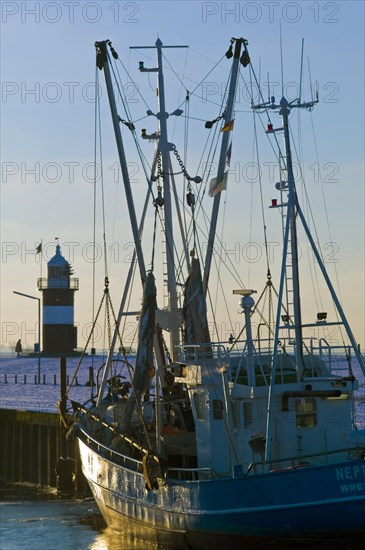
210, 441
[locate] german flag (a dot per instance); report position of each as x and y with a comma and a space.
228, 127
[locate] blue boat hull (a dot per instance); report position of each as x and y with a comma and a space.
304, 501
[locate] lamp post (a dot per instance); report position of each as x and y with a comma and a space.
39, 328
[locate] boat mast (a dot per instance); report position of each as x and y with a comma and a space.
228, 114
164, 148
293, 209
102, 60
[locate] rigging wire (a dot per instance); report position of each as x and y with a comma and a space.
277, 152
187, 78
102, 193
131, 79
94, 213
261, 196
311, 259
329, 230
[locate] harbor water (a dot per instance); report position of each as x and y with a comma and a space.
59, 524
77, 525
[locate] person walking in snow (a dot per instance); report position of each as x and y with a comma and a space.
18, 348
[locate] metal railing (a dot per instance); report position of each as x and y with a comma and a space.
186, 474
293, 459
45, 283
192, 353
126, 461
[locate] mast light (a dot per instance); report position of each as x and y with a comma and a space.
322, 316
209, 123
280, 185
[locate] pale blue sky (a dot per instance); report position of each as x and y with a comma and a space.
47, 118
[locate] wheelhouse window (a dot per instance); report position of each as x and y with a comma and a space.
306, 412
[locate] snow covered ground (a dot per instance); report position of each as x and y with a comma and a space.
44, 397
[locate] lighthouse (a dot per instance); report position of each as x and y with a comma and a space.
59, 332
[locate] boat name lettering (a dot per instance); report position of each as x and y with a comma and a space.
350, 472
352, 487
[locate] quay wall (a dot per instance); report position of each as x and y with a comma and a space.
31, 443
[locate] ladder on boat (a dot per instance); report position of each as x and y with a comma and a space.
289, 290
164, 260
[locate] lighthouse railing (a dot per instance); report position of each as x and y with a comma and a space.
45, 283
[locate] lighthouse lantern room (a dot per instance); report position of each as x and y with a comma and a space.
59, 332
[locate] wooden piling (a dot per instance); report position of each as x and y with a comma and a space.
63, 378
39, 455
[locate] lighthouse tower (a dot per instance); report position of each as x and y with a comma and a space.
59, 332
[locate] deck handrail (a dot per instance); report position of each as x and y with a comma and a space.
125, 458
313, 455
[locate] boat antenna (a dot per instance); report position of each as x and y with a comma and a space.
301, 73
281, 62
310, 84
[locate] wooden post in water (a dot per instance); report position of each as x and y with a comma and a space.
63, 450
91, 382
65, 469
